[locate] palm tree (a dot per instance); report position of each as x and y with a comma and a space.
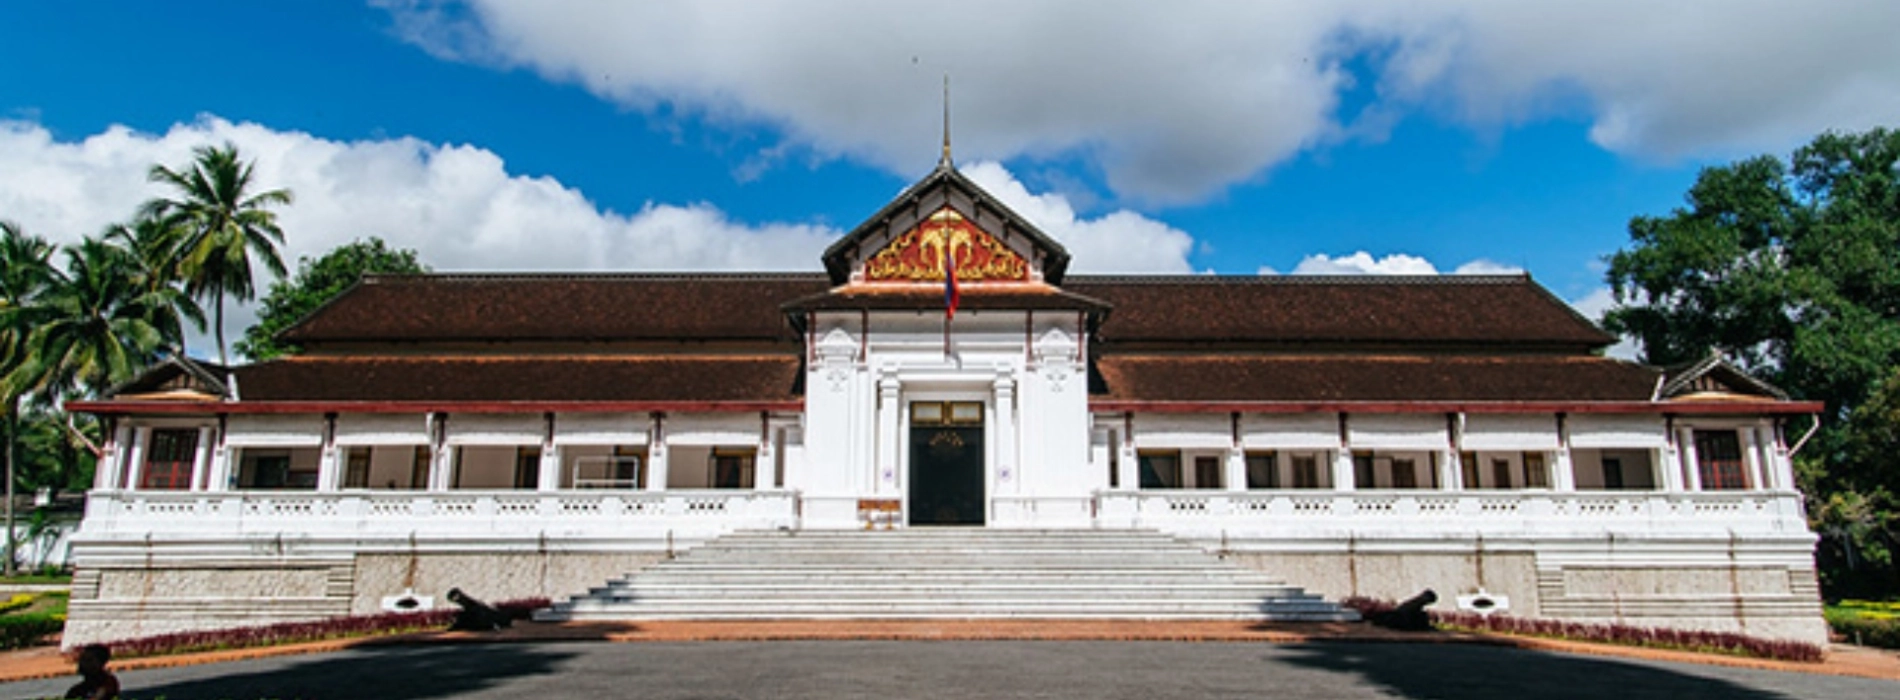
154, 250
24, 277
220, 225
99, 325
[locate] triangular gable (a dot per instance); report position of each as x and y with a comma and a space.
175, 378
1714, 377
904, 240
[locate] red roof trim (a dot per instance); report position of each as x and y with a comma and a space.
1664, 408
204, 407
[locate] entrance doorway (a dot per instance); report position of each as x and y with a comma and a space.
946, 463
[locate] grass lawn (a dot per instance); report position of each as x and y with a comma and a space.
37, 580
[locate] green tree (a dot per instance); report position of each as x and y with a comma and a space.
221, 227
98, 326
317, 282
25, 275
1792, 269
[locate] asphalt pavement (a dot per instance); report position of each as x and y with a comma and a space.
925, 670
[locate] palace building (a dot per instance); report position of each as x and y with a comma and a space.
544, 434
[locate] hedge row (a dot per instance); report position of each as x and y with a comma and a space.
295, 632
1866, 631
24, 630
1693, 640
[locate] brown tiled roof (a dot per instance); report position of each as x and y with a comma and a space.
531, 378
1457, 309
559, 307
929, 296
1373, 378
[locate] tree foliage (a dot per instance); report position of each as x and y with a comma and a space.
1791, 268
316, 283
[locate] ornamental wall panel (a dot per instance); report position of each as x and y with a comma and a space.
1191, 430
1419, 431
1496, 431
601, 428
504, 429
712, 429
382, 429
301, 430
1290, 430
1615, 430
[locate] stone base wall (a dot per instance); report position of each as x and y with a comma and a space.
1764, 591
113, 600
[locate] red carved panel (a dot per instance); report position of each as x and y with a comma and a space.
917, 256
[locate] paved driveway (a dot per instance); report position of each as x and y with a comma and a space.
963, 670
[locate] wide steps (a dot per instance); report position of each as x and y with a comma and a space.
947, 574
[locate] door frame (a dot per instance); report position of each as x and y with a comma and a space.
989, 444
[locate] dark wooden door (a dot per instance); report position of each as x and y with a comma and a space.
946, 475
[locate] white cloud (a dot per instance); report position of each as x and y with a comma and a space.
1482, 266
1362, 263
462, 210
1120, 241
1593, 305
1173, 101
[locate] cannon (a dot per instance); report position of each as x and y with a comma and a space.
1410, 615
475, 615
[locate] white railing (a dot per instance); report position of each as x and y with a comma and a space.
1435, 513
592, 513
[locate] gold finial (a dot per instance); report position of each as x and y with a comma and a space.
945, 161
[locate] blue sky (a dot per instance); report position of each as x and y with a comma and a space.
1204, 137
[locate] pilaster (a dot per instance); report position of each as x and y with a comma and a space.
656, 452
889, 415
1003, 390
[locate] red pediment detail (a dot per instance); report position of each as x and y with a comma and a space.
918, 254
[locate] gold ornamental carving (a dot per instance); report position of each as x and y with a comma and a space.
917, 256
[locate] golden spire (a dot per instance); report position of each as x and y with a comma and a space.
945, 161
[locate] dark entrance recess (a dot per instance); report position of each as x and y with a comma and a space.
946, 463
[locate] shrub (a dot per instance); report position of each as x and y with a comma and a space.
25, 630
16, 602
295, 632
1662, 637
1869, 631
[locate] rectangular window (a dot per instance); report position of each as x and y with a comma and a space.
1404, 474
356, 468
168, 460
1363, 474
1500, 473
1612, 473
1263, 470
1306, 472
1536, 475
1719, 460
1207, 472
629, 466
527, 467
1468, 466
732, 468
1160, 470
1114, 459
419, 468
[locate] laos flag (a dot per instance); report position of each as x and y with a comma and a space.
951, 295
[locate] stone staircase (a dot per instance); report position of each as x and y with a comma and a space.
924, 573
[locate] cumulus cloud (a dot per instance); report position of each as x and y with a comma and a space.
1173, 101
1593, 306
462, 210
1363, 263
1120, 241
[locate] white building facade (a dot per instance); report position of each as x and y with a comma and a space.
537, 435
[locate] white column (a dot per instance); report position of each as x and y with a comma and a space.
762, 461
1008, 480
1566, 477
201, 459
1451, 472
1685, 448
219, 477
135, 457
112, 459
1751, 458
656, 453
1342, 471
1128, 462
329, 466
442, 456
889, 411
1783, 464
1236, 476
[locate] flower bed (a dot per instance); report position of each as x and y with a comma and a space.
296, 632
1664, 638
